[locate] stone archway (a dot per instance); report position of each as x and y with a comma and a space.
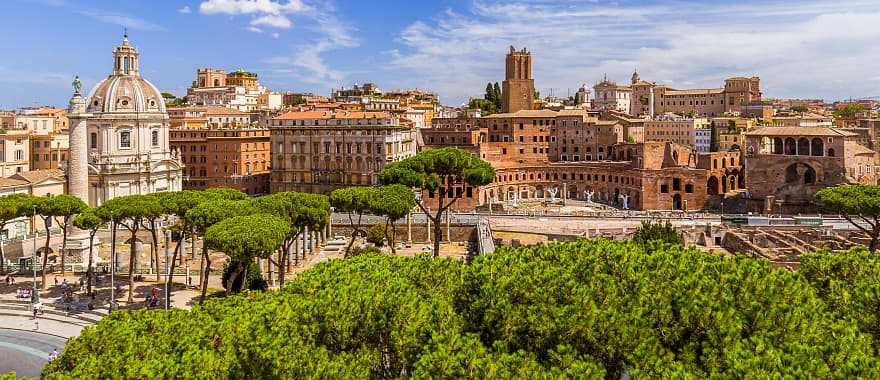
676, 202
712, 185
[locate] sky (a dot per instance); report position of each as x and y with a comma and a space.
802, 49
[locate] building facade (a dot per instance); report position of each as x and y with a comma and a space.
232, 157
318, 152
14, 151
119, 136
790, 164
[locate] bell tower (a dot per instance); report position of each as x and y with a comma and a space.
518, 87
125, 58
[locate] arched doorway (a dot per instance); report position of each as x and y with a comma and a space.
676, 202
732, 180
803, 147
790, 148
712, 186
723, 185
777, 145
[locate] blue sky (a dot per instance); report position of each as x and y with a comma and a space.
809, 49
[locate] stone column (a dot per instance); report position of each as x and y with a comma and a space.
77, 159
564, 192
297, 247
428, 228
409, 228
78, 174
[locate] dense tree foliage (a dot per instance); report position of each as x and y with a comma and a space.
486, 107
302, 211
393, 202
12, 207
355, 201
587, 309
850, 110
427, 170
244, 238
649, 234
90, 221
849, 282
131, 211
64, 208
859, 204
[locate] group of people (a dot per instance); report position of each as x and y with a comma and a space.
23, 293
10, 280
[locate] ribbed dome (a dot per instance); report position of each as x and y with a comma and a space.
125, 93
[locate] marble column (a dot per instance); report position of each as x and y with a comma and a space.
78, 174
448, 229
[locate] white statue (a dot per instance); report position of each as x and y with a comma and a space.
625, 199
589, 194
552, 191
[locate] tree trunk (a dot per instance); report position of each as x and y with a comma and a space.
132, 256
2, 253
154, 247
171, 272
438, 232
63, 245
244, 276
89, 268
206, 271
393, 236
283, 257
873, 246
45, 254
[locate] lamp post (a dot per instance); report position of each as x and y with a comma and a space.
112, 263
166, 232
35, 297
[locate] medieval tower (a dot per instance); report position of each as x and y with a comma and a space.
518, 87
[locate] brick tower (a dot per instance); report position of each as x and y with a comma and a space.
518, 86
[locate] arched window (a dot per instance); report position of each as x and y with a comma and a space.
125, 65
803, 147
93, 140
216, 83
155, 137
830, 152
816, 147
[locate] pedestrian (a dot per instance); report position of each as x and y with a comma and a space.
56, 280
35, 311
53, 355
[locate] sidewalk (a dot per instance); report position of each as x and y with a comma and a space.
58, 326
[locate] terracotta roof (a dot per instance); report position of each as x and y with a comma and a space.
10, 182
306, 115
209, 110
854, 148
37, 176
798, 131
526, 113
48, 111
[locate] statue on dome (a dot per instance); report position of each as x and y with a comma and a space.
77, 85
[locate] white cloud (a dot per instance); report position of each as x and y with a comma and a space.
237, 7
275, 21
121, 20
184, 10
814, 49
254, 29
307, 62
275, 35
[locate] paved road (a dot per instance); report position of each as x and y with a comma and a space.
26, 352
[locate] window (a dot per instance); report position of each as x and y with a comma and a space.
19, 154
664, 188
125, 139
155, 137
93, 143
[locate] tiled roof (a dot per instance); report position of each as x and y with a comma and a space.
525, 113
10, 182
37, 176
306, 115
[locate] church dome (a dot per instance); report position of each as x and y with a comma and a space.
125, 91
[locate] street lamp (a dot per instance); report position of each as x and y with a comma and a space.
35, 297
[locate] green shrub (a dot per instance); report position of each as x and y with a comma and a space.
586, 309
376, 235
